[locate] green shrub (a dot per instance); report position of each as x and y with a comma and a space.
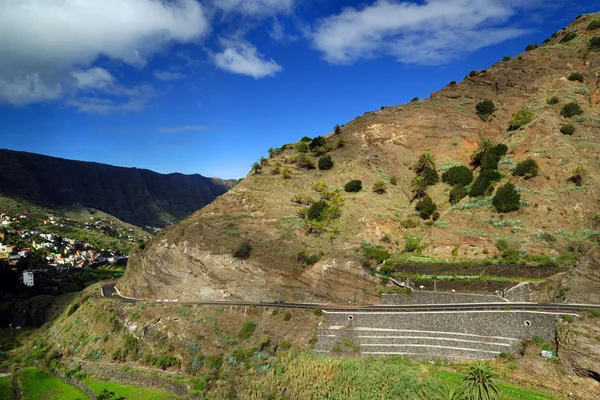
506, 58
165, 361
426, 207
459, 175
412, 244
595, 24
317, 211
553, 100
430, 176
337, 129
306, 139
595, 43
576, 76
502, 244
457, 193
568, 37
247, 330
243, 250
479, 186
507, 199
435, 216
305, 161
302, 147
414, 99
287, 316
452, 83
527, 169
473, 73
394, 181
531, 47
286, 173
485, 109
521, 118
377, 253
325, 163
489, 161
353, 186
492, 175
379, 187
571, 109
214, 362
567, 130
319, 141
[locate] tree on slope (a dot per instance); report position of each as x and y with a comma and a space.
485, 146
426, 160
480, 382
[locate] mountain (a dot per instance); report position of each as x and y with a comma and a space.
137, 196
542, 106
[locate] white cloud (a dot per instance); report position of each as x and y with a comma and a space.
93, 78
434, 32
114, 98
45, 43
255, 8
184, 128
168, 76
243, 58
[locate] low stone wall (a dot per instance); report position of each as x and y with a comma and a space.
518, 293
136, 378
427, 297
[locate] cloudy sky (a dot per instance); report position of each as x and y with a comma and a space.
207, 86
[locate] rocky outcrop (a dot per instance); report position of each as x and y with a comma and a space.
579, 346
138, 196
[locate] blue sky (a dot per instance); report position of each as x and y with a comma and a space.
208, 86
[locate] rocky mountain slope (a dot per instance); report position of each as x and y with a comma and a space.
328, 252
138, 196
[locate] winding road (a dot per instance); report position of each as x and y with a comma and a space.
110, 291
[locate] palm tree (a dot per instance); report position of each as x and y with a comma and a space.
256, 167
480, 382
418, 187
485, 146
271, 152
264, 161
379, 187
425, 161
577, 177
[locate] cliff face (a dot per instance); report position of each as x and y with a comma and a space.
137, 196
193, 259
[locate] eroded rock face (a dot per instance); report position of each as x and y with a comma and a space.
180, 271
579, 347
583, 281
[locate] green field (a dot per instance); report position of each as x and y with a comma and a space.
5, 388
35, 384
509, 392
127, 391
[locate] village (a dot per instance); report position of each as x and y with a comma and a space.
52, 251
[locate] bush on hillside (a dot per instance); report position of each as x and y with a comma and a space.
568, 37
521, 118
567, 130
306, 139
491, 174
485, 109
325, 163
553, 100
379, 187
430, 176
507, 199
275, 171
479, 186
317, 211
571, 109
459, 175
457, 193
576, 76
353, 186
302, 147
595, 43
426, 207
243, 250
489, 161
502, 244
286, 173
377, 253
531, 47
319, 141
337, 129
506, 58
527, 169
414, 100
305, 161
435, 216
595, 24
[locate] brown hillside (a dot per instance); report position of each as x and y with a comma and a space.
193, 259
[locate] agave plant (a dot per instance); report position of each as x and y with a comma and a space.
426, 160
480, 382
257, 168
264, 161
443, 392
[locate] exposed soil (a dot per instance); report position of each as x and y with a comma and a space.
510, 270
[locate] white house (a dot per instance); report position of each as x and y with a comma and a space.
28, 278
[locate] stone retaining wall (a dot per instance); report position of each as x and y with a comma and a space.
428, 297
519, 293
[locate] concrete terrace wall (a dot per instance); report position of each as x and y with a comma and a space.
518, 293
459, 335
427, 297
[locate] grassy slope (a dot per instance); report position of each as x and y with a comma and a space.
5, 387
35, 384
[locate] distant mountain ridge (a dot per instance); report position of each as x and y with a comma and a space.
138, 196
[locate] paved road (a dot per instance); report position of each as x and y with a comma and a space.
108, 290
